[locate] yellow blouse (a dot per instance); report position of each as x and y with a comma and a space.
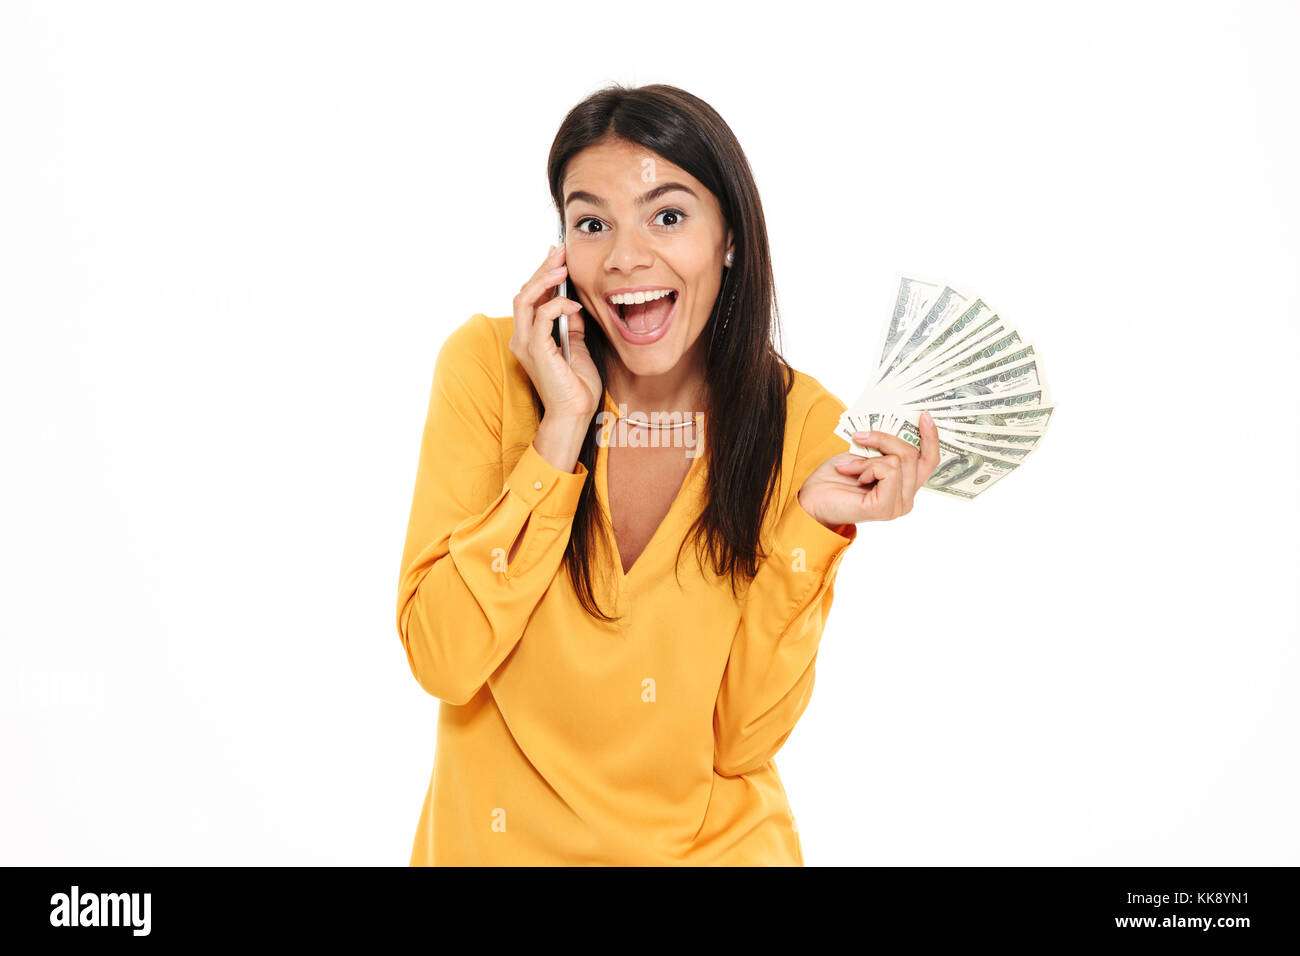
564, 740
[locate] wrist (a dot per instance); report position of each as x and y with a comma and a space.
559, 441
838, 527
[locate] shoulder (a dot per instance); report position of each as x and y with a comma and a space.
476, 366
809, 401
476, 337
471, 355
812, 415
498, 329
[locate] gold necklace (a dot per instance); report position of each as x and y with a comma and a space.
649, 424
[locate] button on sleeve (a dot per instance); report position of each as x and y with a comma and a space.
545, 489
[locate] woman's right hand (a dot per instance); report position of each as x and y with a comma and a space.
568, 392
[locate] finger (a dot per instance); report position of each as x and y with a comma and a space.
529, 295
893, 492
578, 339
534, 293
853, 474
907, 478
908, 484
850, 460
553, 258
544, 316
929, 459
577, 331
908, 454
887, 443
852, 466
856, 463
542, 283
882, 468
891, 488
886, 475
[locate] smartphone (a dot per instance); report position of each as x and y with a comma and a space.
564, 292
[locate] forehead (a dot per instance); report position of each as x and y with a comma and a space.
618, 169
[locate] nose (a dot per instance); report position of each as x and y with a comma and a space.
630, 250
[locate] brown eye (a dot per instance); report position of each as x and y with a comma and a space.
677, 215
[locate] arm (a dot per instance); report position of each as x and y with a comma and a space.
769, 676
479, 554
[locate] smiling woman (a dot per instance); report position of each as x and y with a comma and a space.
688, 235
602, 702
643, 311
639, 177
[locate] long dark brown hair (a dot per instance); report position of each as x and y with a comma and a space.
747, 379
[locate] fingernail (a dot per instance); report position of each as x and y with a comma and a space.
550, 251
928, 419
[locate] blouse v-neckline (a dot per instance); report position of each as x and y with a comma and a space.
626, 578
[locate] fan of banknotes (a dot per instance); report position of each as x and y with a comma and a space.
980, 379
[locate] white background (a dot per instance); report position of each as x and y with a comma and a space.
233, 237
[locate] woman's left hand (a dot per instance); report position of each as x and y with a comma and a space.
847, 488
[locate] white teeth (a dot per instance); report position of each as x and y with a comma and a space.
633, 298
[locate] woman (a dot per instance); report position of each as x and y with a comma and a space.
603, 701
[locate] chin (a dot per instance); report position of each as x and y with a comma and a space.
653, 359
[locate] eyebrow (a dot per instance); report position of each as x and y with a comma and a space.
650, 196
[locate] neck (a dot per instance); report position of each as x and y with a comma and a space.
680, 389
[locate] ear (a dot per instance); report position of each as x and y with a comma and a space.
731, 242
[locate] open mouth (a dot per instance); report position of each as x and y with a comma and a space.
644, 318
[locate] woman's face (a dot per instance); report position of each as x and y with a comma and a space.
629, 224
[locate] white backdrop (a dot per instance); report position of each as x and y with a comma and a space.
233, 237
